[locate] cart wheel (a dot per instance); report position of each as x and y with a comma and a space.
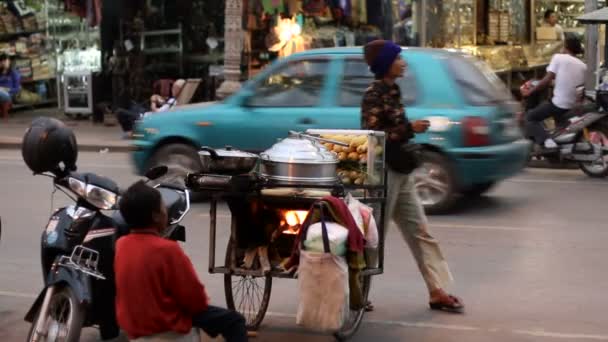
356, 316
250, 294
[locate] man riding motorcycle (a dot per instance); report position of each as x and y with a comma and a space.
568, 72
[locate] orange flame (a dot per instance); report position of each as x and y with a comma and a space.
293, 219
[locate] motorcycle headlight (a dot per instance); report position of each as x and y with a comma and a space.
77, 186
101, 198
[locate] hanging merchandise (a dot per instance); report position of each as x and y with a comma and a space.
273, 6
285, 38
294, 7
314, 7
89, 9
361, 10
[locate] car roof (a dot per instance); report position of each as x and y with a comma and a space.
358, 50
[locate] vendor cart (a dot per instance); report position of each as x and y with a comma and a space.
248, 289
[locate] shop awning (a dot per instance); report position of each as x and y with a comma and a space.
596, 17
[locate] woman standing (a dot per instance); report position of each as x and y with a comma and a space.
382, 110
10, 84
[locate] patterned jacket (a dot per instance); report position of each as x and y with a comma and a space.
382, 110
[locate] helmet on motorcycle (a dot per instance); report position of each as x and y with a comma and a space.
49, 145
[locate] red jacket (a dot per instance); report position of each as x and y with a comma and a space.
157, 289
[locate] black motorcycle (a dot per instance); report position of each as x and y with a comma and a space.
77, 247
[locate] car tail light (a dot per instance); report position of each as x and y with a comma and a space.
476, 131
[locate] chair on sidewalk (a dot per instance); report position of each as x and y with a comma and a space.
188, 91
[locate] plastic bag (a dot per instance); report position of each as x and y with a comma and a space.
337, 238
323, 285
364, 217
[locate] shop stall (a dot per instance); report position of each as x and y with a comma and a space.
23, 37
499, 32
280, 28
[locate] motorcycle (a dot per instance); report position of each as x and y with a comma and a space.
77, 255
581, 134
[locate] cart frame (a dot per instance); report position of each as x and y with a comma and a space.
369, 194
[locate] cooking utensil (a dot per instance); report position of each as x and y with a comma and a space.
227, 161
312, 137
299, 159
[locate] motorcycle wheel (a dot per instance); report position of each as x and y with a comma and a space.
599, 168
64, 318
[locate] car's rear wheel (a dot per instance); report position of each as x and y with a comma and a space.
181, 159
435, 183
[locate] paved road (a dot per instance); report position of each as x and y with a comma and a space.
528, 261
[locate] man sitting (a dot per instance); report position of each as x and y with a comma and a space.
157, 290
127, 117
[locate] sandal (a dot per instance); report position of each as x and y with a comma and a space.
448, 304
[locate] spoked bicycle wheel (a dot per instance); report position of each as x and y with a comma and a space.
247, 295
355, 316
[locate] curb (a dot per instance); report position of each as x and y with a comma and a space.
86, 147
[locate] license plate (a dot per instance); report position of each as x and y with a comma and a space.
50, 227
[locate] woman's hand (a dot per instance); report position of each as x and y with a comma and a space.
420, 126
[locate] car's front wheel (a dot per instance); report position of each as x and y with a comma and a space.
478, 189
435, 183
181, 159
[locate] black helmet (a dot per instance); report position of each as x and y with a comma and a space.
47, 144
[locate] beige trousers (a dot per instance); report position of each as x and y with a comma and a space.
404, 207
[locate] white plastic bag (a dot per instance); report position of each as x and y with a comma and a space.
337, 235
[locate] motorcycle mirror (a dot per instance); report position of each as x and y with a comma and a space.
156, 172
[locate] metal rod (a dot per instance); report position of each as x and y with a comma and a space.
212, 227
39, 329
306, 136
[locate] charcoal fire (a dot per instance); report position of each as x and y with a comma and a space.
292, 221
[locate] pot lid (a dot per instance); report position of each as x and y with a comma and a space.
297, 150
228, 151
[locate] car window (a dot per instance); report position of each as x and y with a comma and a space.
357, 78
477, 82
295, 84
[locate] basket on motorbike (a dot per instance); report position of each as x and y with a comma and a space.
601, 98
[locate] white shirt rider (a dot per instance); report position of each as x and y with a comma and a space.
568, 72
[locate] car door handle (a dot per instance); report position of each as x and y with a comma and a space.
306, 121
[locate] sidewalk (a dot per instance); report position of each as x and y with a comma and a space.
90, 137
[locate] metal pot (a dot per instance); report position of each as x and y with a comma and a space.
297, 160
227, 161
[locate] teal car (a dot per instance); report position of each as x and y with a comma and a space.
472, 144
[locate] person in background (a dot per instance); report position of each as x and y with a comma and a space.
382, 110
157, 289
551, 19
10, 84
568, 72
404, 29
127, 117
